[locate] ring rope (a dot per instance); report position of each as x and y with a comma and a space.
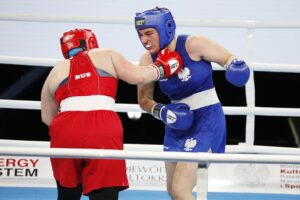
121, 107
233, 149
128, 21
203, 158
48, 62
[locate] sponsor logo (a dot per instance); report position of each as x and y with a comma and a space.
18, 167
252, 175
290, 177
68, 37
141, 22
146, 173
174, 64
171, 117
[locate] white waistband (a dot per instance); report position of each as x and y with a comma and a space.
200, 99
87, 103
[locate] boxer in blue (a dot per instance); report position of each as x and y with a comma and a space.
194, 120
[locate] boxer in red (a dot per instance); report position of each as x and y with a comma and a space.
77, 103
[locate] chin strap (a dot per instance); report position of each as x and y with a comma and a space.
74, 52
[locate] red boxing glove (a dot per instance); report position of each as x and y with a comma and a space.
168, 63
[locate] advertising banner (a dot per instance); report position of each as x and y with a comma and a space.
150, 175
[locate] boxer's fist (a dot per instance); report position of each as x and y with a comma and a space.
237, 73
168, 63
175, 115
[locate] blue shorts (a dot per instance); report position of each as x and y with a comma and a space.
208, 131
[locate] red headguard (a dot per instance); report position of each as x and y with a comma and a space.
77, 38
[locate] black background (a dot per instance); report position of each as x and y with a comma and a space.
272, 90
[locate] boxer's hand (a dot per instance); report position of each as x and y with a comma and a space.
175, 115
168, 63
237, 73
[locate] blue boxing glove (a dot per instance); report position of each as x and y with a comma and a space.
175, 115
237, 73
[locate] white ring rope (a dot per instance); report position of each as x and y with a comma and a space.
49, 62
128, 21
31, 61
233, 149
148, 155
262, 111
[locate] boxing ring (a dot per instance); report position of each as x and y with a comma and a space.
245, 171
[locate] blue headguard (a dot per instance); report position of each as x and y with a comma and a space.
159, 18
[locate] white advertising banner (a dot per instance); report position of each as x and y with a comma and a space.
146, 175
150, 175
37, 172
258, 178
26, 172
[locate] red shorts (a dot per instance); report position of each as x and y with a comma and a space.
93, 130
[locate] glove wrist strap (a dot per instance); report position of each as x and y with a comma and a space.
234, 61
160, 71
156, 110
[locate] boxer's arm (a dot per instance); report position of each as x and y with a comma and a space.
145, 92
237, 71
167, 64
131, 73
49, 106
200, 47
145, 96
